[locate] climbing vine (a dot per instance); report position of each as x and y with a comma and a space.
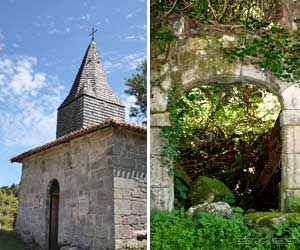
261, 41
272, 49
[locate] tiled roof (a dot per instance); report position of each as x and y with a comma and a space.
91, 80
79, 133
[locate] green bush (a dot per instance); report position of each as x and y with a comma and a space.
178, 230
8, 206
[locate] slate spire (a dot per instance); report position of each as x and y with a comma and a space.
91, 100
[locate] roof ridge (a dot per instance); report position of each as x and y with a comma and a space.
78, 133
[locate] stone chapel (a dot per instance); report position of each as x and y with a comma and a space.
87, 188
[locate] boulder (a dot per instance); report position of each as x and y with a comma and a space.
266, 221
218, 208
209, 190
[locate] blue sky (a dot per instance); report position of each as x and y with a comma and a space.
42, 44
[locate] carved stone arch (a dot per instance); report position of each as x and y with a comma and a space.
162, 193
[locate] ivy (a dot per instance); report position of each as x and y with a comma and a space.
272, 49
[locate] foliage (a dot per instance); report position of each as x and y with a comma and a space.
272, 49
9, 241
181, 193
220, 131
137, 87
8, 207
179, 230
13, 189
262, 41
295, 205
221, 12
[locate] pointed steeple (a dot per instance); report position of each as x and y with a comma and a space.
91, 79
91, 100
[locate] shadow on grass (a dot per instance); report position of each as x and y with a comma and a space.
9, 241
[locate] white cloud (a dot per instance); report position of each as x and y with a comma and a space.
130, 15
110, 66
19, 76
126, 63
133, 60
135, 38
29, 100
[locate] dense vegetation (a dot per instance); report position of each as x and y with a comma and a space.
223, 131
182, 231
8, 206
232, 136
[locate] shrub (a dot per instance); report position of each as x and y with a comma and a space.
178, 230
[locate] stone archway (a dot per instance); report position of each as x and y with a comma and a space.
53, 220
208, 69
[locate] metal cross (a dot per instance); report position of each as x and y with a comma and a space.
92, 34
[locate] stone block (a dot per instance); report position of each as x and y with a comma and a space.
160, 120
166, 84
130, 220
291, 97
255, 76
158, 100
122, 207
139, 208
139, 195
291, 171
160, 176
123, 183
143, 220
162, 198
290, 117
290, 139
123, 232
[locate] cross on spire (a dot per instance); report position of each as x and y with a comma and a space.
92, 34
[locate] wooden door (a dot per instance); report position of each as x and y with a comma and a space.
54, 209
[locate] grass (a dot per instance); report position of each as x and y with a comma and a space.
9, 241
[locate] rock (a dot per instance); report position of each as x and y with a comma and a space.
218, 208
263, 221
209, 190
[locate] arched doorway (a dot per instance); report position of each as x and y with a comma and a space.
54, 209
187, 78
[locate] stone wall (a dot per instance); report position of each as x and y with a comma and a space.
85, 170
130, 190
193, 61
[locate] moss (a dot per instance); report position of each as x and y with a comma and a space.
210, 190
263, 221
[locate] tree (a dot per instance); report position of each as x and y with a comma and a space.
8, 207
137, 87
